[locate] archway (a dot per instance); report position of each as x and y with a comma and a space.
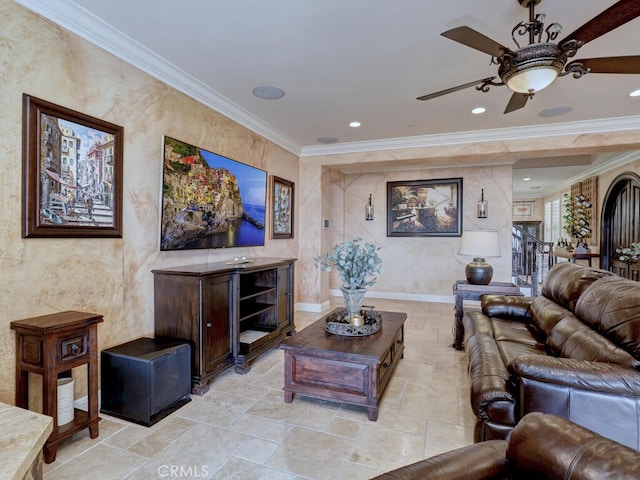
620, 224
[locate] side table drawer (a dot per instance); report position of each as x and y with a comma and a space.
390, 358
73, 347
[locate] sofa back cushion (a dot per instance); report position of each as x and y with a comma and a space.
566, 281
611, 306
545, 314
571, 338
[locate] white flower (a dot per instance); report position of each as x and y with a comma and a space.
629, 254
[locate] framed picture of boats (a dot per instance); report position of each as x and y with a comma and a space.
72, 173
424, 208
209, 200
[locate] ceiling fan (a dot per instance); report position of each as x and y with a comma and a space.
530, 68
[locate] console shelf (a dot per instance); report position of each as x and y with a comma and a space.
229, 314
254, 309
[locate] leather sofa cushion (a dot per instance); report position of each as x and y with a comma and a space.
612, 307
506, 306
513, 350
566, 281
475, 323
571, 338
546, 314
512, 331
485, 460
568, 451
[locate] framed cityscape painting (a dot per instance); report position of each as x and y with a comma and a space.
425, 208
72, 173
282, 192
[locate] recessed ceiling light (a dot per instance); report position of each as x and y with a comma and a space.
355, 124
635, 93
327, 140
268, 93
478, 110
526, 179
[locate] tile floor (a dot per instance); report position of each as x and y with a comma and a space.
242, 429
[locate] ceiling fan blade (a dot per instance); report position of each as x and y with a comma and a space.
454, 89
616, 15
628, 64
517, 101
474, 39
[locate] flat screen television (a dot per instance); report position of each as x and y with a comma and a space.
210, 201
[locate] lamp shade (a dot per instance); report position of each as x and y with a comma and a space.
479, 243
532, 79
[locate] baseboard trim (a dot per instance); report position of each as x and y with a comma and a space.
414, 297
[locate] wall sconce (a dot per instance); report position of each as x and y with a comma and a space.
483, 207
368, 210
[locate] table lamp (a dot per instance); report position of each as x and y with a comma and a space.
479, 244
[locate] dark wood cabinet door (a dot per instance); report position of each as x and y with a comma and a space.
217, 321
621, 224
285, 296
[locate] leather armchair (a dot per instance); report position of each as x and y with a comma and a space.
541, 446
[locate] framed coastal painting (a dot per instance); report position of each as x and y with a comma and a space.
209, 200
71, 173
425, 208
282, 195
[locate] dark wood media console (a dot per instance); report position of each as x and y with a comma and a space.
228, 313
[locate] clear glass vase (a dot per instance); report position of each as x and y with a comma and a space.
353, 299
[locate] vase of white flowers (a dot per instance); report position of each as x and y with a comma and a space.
357, 265
629, 255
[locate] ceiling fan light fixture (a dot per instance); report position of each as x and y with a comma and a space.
531, 68
532, 80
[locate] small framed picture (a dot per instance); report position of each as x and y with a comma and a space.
72, 173
522, 209
282, 197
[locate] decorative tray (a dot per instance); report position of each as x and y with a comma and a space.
338, 323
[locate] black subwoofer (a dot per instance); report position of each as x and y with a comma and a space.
145, 380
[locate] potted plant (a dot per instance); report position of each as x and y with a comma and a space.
357, 265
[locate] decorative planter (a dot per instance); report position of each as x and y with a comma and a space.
65, 400
353, 299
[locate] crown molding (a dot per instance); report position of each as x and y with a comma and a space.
480, 136
606, 162
76, 19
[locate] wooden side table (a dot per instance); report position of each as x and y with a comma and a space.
573, 256
464, 290
51, 344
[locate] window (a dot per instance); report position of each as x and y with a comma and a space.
552, 220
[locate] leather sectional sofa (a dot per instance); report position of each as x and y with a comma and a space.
541, 446
573, 351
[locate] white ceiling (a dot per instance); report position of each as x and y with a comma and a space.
365, 60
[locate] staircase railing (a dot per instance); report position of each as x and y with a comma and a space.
531, 259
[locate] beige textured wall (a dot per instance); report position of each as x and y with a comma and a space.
107, 276
419, 266
112, 276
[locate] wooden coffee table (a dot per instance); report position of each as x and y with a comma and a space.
352, 370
